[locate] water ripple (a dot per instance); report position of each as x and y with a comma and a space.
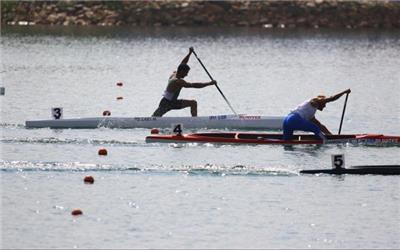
53, 140
202, 170
11, 125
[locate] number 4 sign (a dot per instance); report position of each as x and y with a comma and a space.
177, 128
57, 113
337, 161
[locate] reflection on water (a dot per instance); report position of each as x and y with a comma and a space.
373, 35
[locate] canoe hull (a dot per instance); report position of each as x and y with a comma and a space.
273, 139
359, 170
217, 122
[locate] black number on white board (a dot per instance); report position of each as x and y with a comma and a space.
57, 113
178, 129
338, 161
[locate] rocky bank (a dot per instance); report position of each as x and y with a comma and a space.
267, 14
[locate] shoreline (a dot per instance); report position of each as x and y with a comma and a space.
308, 14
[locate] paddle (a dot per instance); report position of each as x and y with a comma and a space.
230, 106
344, 109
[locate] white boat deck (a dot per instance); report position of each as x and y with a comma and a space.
212, 122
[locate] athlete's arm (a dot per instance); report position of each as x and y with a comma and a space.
337, 96
186, 59
323, 128
197, 85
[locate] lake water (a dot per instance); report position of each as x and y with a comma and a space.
194, 196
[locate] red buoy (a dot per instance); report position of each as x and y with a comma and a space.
88, 179
76, 212
106, 113
102, 151
119, 84
154, 131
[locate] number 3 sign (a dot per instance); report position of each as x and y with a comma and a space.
57, 113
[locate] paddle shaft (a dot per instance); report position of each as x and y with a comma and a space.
230, 106
344, 109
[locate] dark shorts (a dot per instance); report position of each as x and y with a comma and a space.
167, 105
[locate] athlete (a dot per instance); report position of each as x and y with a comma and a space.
170, 99
303, 117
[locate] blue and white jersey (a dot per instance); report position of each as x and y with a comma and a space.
305, 110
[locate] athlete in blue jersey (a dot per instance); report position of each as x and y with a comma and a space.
175, 84
303, 117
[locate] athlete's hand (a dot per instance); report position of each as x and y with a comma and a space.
347, 91
191, 50
213, 82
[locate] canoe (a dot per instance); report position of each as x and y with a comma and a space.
273, 139
249, 122
361, 170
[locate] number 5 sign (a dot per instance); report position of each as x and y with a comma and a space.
337, 161
57, 113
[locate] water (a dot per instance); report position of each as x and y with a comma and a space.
194, 196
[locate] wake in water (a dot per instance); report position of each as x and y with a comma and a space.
207, 169
53, 140
11, 125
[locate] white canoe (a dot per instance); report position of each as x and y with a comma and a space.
212, 122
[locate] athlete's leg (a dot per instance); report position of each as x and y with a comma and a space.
159, 112
311, 127
192, 104
163, 108
288, 126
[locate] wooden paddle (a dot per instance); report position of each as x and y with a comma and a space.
344, 109
230, 106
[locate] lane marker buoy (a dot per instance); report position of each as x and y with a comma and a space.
106, 113
154, 131
102, 151
119, 84
88, 179
120, 98
76, 212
